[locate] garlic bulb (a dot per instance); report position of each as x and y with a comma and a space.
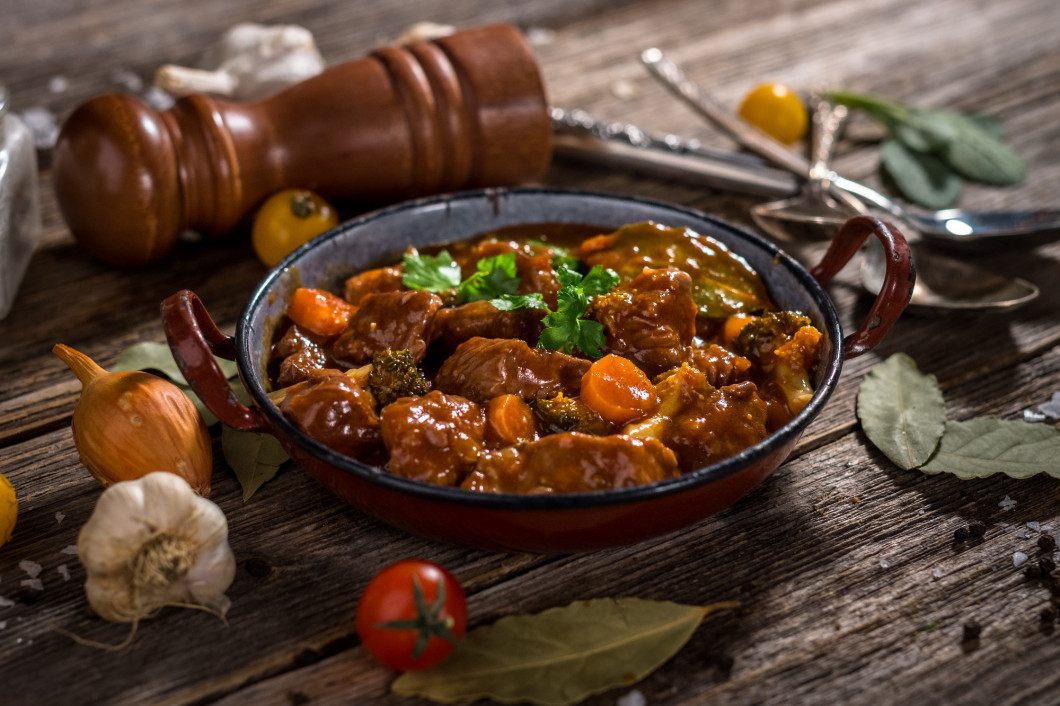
250, 62
152, 543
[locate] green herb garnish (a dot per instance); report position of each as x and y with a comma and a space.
434, 274
565, 329
495, 277
497, 281
929, 152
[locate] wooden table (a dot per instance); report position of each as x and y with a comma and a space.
854, 590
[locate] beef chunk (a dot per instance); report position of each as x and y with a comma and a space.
454, 325
720, 365
296, 367
483, 368
701, 423
333, 409
377, 281
435, 438
300, 351
573, 462
394, 320
651, 320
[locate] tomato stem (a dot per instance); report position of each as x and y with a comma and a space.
428, 622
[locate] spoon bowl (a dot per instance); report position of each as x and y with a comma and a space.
946, 284
958, 230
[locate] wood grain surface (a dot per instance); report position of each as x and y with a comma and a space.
853, 588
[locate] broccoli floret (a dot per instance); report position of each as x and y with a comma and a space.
562, 413
784, 346
394, 374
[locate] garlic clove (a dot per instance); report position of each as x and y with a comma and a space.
152, 543
250, 62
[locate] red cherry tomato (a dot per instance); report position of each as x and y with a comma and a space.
411, 615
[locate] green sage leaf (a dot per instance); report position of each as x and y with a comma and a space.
990, 124
979, 156
902, 411
921, 177
255, 458
562, 655
984, 446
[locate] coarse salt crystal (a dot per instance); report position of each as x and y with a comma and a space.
633, 698
6, 603
884, 564
1007, 504
1033, 417
35, 584
63, 571
58, 84
30, 567
59, 517
936, 574
127, 80
69, 549
1034, 526
3, 624
1018, 558
1052, 407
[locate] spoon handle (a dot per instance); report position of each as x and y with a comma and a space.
673, 78
827, 119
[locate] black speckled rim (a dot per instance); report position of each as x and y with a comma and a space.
249, 348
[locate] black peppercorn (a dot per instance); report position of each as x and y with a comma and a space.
960, 534
972, 630
977, 529
1046, 565
1048, 614
1033, 572
1046, 543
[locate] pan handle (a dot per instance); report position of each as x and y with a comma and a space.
898, 280
194, 339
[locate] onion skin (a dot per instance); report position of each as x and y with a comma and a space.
128, 424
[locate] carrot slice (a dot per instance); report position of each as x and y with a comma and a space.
618, 390
509, 420
318, 311
733, 325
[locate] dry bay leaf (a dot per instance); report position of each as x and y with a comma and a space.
562, 655
987, 445
255, 458
902, 411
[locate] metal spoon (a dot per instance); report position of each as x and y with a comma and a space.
813, 214
955, 229
943, 283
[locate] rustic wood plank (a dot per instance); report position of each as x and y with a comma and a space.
824, 622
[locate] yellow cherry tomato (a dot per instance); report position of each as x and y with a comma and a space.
8, 510
777, 111
287, 220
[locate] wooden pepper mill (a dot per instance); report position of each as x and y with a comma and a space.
468, 110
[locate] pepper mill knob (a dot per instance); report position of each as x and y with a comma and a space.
468, 110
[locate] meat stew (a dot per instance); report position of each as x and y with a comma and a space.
546, 359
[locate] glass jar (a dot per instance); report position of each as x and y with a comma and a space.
20, 219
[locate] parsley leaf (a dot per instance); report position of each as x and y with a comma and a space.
508, 302
495, 277
565, 329
434, 274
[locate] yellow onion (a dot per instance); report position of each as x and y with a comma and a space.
128, 424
